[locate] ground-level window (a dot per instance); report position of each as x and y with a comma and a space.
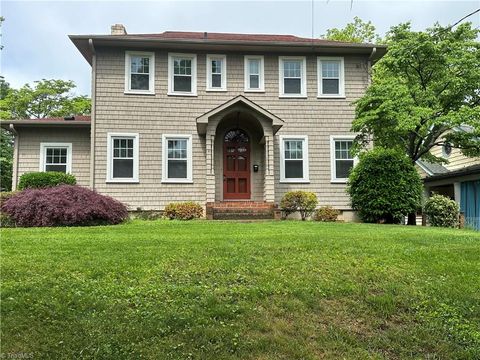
254, 73
122, 157
177, 158
56, 157
139, 72
342, 159
294, 158
182, 78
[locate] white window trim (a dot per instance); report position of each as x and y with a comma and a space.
165, 178
211, 57
306, 176
43, 153
110, 178
303, 82
261, 80
341, 83
192, 57
334, 138
151, 75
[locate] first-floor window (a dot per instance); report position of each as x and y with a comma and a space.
177, 158
294, 159
123, 157
342, 158
56, 157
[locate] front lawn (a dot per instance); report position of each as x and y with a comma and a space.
229, 290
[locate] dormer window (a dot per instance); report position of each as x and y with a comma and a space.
182, 74
216, 73
292, 76
139, 72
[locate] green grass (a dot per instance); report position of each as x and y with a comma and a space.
226, 290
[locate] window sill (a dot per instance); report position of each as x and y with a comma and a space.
292, 96
181, 94
331, 97
131, 92
295, 181
216, 90
338, 181
177, 181
122, 181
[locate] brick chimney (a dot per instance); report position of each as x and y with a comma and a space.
118, 29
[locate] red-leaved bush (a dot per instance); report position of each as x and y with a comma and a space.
64, 205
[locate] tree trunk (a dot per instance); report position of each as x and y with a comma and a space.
412, 219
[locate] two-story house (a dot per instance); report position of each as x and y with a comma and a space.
226, 120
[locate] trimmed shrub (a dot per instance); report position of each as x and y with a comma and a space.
385, 186
183, 211
442, 211
302, 201
5, 220
326, 214
63, 205
37, 180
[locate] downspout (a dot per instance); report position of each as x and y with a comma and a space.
92, 122
15, 156
369, 64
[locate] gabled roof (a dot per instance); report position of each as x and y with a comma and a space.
432, 169
177, 40
77, 120
469, 170
202, 120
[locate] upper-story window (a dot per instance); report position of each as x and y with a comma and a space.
182, 74
139, 72
331, 81
254, 78
293, 78
216, 73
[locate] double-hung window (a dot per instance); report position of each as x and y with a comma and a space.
294, 159
56, 157
330, 77
122, 157
177, 158
292, 76
182, 74
342, 160
254, 73
216, 72
139, 72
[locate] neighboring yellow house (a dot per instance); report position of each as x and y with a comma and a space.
459, 179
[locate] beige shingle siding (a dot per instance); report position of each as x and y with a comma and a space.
456, 159
29, 149
154, 115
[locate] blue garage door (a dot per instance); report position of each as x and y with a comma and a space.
470, 203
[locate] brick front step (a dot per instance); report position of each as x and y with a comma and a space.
240, 210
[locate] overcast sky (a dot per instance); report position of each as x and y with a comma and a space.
35, 33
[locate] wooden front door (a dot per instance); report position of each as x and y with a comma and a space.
236, 165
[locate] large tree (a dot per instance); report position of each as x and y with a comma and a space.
424, 90
46, 98
357, 31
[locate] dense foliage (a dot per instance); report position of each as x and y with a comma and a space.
183, 211
46, 98
6, 160
424, 93
35, 180
302, 201
358, 31
326, 214
385, 186
64, 205
442, 211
